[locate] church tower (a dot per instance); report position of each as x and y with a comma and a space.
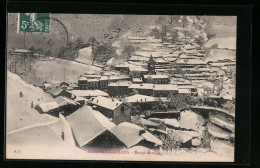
151, 65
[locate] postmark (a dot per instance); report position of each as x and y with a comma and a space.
38, 23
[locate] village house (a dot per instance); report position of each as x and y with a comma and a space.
119, 88
157, 79
84, 83
50, 84
92, 129
164, 90
60, 104
56, 92
104, 80
192, 89
114, 109
142, 102
161, 63
137, 71
122, 68
134, 135
142, 88
93, 84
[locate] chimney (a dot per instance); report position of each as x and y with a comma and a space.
97, 101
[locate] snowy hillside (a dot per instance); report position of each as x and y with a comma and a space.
57, 70
18, 110
226, 42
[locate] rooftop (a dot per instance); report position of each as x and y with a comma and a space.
139, 98
91, 93
141, 86
190, 61
184, 91
108, 103
165, 87
156, 76
120, 83
87, 124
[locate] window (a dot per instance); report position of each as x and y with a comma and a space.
122, 109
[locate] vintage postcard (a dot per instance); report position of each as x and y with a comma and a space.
121, 87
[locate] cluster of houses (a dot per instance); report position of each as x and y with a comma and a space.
103, 105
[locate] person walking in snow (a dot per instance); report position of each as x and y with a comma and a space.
32, 104
21, 94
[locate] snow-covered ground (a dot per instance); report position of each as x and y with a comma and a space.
58, 70
84, 56
18, 110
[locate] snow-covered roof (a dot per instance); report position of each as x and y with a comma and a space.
148, 123
165, 87
137, 69
187, 87
93, 80
218, 132
62, 101
104, 77
137, 80
156, 76
58, 102
141, 86
184, 91
108, 103
83, 78
160, 60
139, 98
46, 107
189, 47
151, 138
86, 93
55, 91
120, 83
92, 75
189, 61
184, 136
183, 56
129, 134
118, 77
87, 124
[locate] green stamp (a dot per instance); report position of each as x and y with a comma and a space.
33, 23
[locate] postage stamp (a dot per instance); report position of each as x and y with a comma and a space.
33, 23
